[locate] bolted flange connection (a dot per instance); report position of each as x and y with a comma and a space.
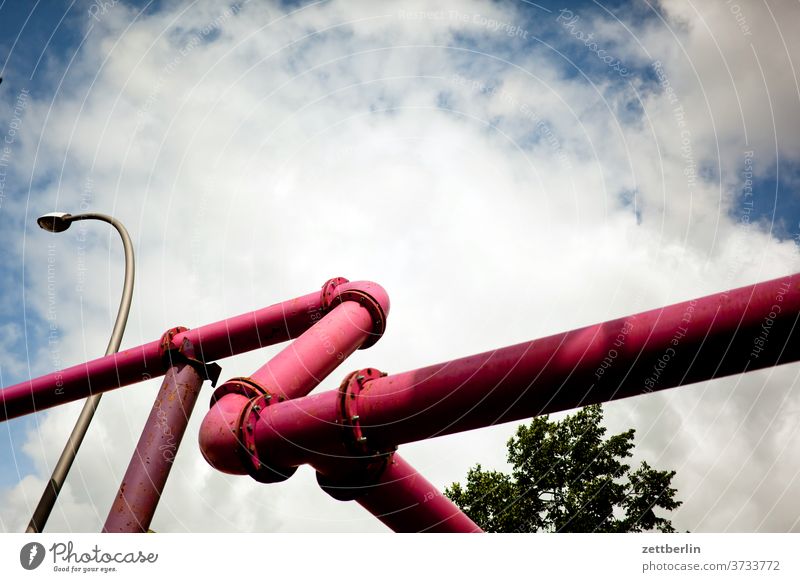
257, 467
371, 297
351, 477
329, 292
349, 390
225, 442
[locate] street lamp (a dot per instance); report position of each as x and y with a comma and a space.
59, 222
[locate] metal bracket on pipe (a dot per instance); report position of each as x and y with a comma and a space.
185, 353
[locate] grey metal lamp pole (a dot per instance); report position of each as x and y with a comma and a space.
59, 222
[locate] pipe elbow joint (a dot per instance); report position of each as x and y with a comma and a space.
219, 434
369, 295
226, 433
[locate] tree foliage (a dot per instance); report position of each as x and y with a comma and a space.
567, 477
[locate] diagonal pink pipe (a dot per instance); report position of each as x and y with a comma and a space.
299, 368
407, 502
397, 494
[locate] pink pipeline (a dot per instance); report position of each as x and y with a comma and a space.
249, 331
350, 435
268, 424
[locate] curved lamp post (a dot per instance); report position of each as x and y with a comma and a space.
59, 222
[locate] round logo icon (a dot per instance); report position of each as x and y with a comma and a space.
31, 555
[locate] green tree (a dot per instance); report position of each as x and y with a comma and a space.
567, 477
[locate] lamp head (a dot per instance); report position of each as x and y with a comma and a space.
55, 221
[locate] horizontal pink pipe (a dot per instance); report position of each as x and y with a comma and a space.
728, 333
407, 502
249, 331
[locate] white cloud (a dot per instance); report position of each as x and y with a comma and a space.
287, 149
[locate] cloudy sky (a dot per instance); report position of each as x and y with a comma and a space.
559, 163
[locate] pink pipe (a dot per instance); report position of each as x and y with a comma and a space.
293, 372
728, 333
300, 367
407, 502
141, 488
249, 331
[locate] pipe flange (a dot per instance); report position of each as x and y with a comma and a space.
328, 291
173, 354
351, 387
256, 468
243, 385
351, 477
374, 308
165, 345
